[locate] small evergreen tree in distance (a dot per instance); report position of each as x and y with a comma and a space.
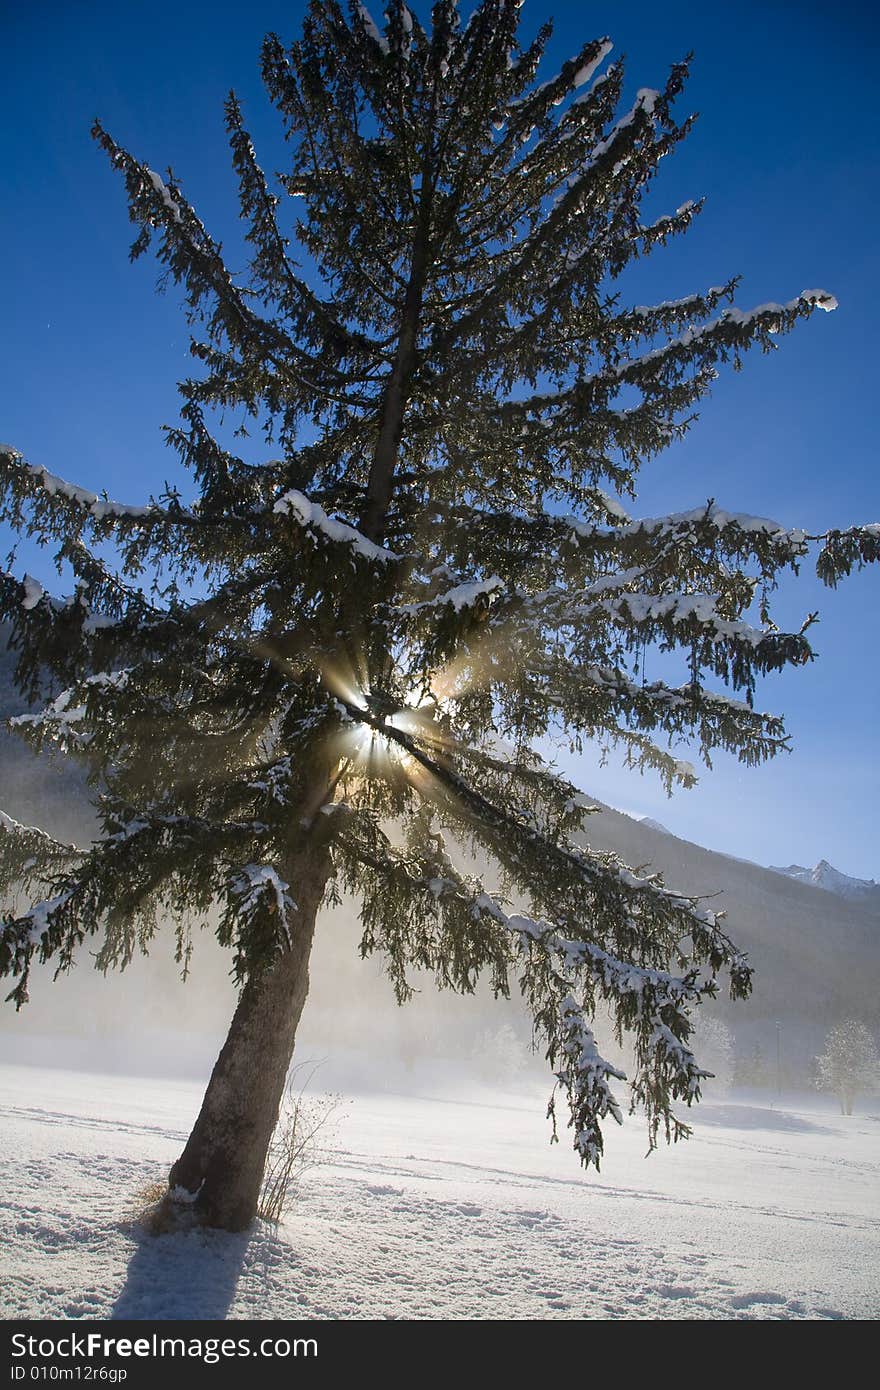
714, 1043
329, 670
850, 1065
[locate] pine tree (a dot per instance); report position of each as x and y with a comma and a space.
329, 671
850, 1064
715, 1044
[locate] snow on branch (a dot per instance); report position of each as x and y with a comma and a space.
460, 597
59, 720
674, 619
701, 344
372, 29
28, 855
56, 501
575, 72
126, 608
585, 1074
770, 318
146, 860
658, 611
257, 919
677, 524
646, 100
592, 699
39, 930
98, 507
164, 193
585, 71
573, 546
670, 222
312, 517
255, 881
557, 968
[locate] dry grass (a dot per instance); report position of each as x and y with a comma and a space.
152, 1193
150, 1209
293, 1151
294, 1148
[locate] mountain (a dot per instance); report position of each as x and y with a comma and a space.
653, 825
47, 791
824, 875
816, 955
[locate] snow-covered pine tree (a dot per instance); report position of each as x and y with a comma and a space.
330, 669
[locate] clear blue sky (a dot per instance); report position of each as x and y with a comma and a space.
786, 152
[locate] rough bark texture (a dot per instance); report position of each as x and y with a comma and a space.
221, 1168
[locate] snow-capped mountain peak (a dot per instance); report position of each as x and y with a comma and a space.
654, 825
824, 875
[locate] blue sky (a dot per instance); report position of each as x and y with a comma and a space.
786, 153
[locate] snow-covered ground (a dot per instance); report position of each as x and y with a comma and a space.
443, 1206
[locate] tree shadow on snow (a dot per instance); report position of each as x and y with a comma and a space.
183, 1275
756, 1117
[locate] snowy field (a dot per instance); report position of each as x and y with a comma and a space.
443, 1206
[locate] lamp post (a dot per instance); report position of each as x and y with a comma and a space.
778, 1061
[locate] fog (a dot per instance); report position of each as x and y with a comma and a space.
816, 959
145, 1019
815, 963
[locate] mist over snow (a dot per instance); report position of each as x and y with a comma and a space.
448, 1205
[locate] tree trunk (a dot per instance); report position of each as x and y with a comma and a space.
380, 484
220, 1172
